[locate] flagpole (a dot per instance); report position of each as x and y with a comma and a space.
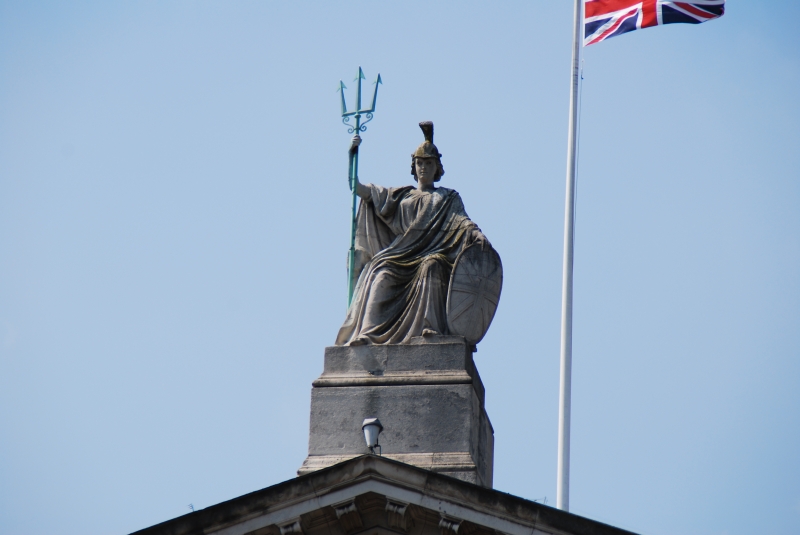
565, 384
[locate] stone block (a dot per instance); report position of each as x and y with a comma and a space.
428, 396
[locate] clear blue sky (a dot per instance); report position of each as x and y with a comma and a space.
174, 224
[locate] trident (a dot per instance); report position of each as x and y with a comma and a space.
352, 174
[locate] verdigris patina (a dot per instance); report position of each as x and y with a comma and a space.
408, 244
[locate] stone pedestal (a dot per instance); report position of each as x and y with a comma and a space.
428, 396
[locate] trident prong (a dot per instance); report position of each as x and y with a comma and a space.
358, 79
377, 82
342, 87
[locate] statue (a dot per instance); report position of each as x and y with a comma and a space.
424, 268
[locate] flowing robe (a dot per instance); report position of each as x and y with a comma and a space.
407, 241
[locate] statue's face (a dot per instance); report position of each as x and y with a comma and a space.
426, 170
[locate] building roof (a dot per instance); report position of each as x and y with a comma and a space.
379, 496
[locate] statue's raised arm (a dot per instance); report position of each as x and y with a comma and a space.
425, 269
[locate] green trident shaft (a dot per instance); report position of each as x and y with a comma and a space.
352, 175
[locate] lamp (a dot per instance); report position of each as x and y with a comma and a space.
372, 428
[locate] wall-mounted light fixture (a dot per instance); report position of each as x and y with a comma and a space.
372, 428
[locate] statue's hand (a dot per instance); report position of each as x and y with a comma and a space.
356, 141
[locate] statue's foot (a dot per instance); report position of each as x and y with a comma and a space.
429, 332
359, 341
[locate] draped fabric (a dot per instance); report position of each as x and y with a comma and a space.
407, 241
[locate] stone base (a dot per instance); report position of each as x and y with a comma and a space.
428, 396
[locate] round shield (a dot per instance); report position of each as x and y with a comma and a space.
474, 292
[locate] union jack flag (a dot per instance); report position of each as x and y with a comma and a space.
606, 18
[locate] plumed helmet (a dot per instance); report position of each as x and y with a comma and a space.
427, 149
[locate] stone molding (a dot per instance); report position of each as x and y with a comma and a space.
396, 378
437, 462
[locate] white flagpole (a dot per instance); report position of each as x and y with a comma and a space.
565, 387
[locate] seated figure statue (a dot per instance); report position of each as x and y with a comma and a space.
407, 242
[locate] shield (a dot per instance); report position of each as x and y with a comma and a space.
474, 292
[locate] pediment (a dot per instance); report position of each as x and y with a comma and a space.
371, 495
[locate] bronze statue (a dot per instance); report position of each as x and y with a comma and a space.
408, 243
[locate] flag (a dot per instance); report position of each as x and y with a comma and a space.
606, 18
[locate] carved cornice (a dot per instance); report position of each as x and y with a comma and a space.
292, 527
396, 515
449, 525
348, 516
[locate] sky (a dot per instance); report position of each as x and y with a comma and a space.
174, 221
